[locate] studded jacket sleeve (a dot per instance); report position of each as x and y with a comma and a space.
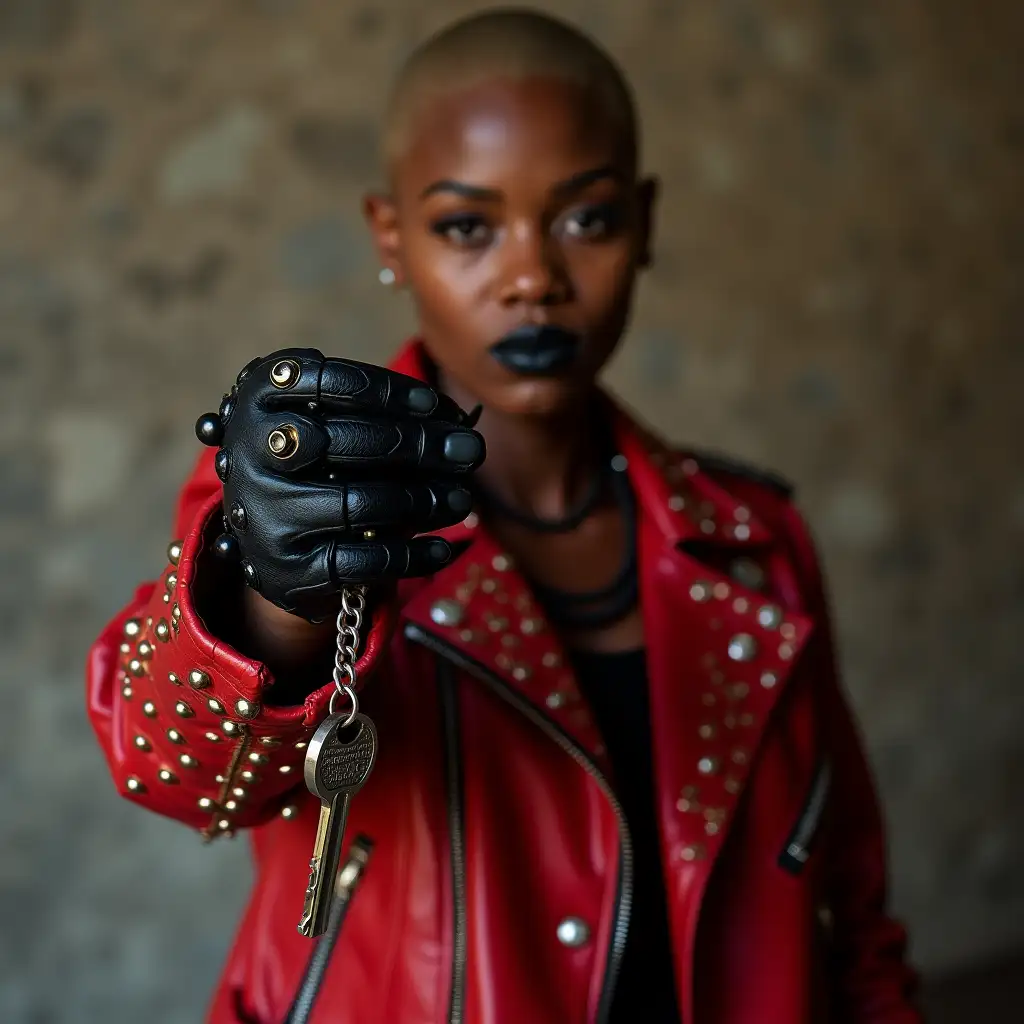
872, 981
178, 712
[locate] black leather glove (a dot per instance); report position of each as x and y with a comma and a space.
330, 467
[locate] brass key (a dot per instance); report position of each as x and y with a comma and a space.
338, 762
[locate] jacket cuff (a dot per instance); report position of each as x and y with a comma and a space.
192, 729
243, 680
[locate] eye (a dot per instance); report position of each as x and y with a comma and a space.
467, 230
593, 221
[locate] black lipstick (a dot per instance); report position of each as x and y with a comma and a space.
537, 350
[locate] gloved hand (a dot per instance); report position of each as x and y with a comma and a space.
330, 467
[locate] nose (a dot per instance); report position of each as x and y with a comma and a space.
534, 273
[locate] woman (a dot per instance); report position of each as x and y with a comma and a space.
616, 776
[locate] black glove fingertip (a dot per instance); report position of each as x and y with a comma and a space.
464, 447
439, 551
460, 501
421, 400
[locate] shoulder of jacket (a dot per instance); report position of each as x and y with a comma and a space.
719, 465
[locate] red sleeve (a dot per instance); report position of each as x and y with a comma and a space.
873, 982
179, 713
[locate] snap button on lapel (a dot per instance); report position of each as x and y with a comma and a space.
446, 612
742, 647
483, 607
747, 573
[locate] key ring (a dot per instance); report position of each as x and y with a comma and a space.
353, 603
351, 694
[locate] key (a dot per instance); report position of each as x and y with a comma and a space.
338, 762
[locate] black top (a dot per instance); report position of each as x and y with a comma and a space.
615, 684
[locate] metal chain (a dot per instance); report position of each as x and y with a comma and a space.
350, 622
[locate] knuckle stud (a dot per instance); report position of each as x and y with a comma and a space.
238, 517
210, 429
285, 374
226, 548
283, 442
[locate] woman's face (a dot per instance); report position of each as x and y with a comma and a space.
516, 205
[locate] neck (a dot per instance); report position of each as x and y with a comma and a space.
539, 464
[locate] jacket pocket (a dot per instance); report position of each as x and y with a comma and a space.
800, 843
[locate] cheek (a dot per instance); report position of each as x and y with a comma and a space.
604, 277
444, 282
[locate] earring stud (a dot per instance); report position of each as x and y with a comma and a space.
386, 276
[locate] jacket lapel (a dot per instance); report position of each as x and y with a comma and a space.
721, 646
482, 610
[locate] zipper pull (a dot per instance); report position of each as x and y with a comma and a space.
352, 870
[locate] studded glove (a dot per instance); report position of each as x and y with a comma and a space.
330, 468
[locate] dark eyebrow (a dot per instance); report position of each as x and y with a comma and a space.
574, 184
580, 181
460, 188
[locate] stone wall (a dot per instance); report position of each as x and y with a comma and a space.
837, 294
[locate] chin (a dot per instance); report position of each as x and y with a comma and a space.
541, 396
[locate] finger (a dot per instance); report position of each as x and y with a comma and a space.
287, 377
331, 566
346, 385
428, 445
361, 563
290, 442
319, 574
286, 442
296, 376
294, 514
397, 508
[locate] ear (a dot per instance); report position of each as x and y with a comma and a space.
647, 190
381, 216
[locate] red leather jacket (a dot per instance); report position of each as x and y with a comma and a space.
499, 885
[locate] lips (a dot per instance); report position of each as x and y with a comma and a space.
537, 350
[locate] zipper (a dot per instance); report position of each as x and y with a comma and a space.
624, 895
349, 877
453, 786
798, 847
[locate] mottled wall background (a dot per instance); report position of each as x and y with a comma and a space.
837, 293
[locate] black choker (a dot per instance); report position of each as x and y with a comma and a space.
594, 609
565, 524
571, 609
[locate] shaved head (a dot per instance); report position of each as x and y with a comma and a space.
504, 43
